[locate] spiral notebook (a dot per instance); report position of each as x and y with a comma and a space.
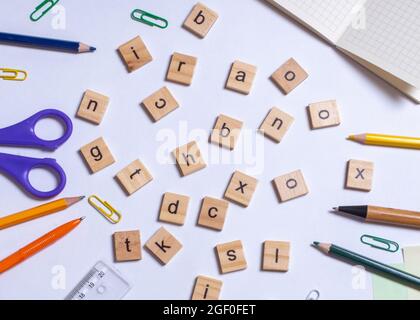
382, 35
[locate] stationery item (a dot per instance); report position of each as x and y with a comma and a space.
383, 215
379, 243
386, 140
42, 9
313, 295
13, 74
377, 34
37, 245
388, 289
110, 213
376, 266
23, 134
45, 43
101, 283
38, 212
148, 18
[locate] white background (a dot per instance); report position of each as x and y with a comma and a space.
250, 31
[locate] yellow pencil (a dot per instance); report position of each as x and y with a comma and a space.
386, 140
37, 212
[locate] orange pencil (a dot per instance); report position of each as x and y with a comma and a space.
37, 212
37, 245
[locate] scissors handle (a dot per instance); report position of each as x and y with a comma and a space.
18, 168
23, 133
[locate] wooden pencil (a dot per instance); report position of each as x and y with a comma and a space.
45, 43
386, 140
373, 265
383, 215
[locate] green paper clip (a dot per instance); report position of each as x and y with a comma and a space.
387, 245
39, 8
139, 15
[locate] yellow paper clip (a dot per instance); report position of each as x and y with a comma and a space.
42, 9
12, 74
112, 215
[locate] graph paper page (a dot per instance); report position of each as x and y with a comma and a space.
328, 18
390, 38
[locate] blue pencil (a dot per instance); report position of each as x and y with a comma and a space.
53, 44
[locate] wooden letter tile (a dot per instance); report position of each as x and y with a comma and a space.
231, 256
324, 114
359, 175
135, 54
226, 131
174, 208
290, 186
241, 77
133, 177
160, 103
200, 20
163, 245
289, 76
181, 68
93, 107
241, 188
213, 213
188, 158
276, 256
206, 288
97, 155
276, 124
127, 245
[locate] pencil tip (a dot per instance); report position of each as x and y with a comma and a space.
316, 243
82, 218
92, 49
82, 197
335, 209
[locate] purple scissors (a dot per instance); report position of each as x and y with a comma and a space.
23, 134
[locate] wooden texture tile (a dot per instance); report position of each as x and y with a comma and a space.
135, 54
93, 106
276, 256
241, 188
160, 103
226, 132
163, 246
127, 246
231, 256
213, 213
181, 69
276, 124
206, 288
359, 175
289, 76
174, 208
97, 155
189, 159
241, 77
133, 177
324, 114
200, 20
290, 186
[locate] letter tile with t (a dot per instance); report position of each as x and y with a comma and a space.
163, 246
231, 256
93, 107
174, 208
188, 158
127, 246
290, 186
241, 77
226, 132
200, 20
133, 177
97, 155
241, 188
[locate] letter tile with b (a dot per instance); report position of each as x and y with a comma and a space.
226, 132
163, 246
200, 20
174, 208
127, 246
97, 155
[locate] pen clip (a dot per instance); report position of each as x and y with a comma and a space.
386, 245
39, 8
12, 74
139, 15
111, 214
